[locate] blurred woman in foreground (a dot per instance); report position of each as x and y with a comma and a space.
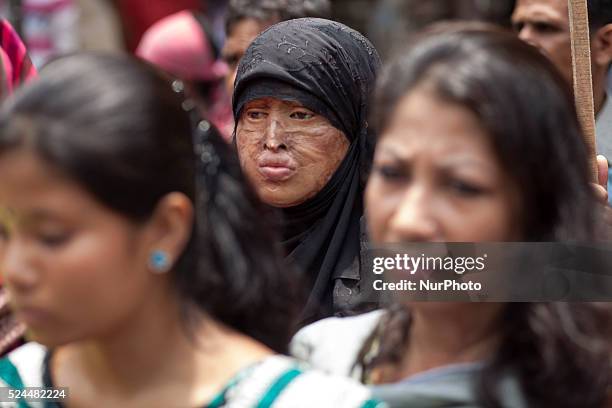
137, 256
479, 142
16, 69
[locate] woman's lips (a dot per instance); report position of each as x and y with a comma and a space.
276, 174
275, 169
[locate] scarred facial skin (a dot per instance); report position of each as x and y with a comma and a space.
288, 152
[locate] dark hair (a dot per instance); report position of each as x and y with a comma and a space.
275, 11
393, 22
205, 88
600, 13
560, 352
207, 33
114, 125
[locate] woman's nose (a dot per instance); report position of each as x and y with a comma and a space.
16, 269
413, 219
274, 137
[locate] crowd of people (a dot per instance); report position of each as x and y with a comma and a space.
189, 226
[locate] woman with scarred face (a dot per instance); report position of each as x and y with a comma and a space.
300, 106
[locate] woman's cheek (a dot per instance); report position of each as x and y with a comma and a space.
321, 144
316, 176
248, 134
247, 145
305, 153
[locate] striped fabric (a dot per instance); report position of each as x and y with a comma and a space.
281, 382
275, 382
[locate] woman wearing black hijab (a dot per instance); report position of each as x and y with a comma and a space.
301, 106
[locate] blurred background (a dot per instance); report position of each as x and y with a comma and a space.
53, 27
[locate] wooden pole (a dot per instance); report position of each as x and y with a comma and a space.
583, 81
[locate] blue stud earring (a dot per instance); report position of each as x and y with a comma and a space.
159, 262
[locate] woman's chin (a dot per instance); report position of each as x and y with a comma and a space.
279, 199
280, 203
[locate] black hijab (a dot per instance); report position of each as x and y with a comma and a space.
331, 69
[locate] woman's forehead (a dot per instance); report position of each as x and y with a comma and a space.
32, 185
423, 121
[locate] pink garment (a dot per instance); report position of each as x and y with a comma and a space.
220, 114
178, 45
7, 74
138, 15
17, 67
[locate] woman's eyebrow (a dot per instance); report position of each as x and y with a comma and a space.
254, 105
30, 218
39, 215
393, 152
293, 104
266, 101
451, 163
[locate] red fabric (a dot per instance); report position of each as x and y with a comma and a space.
139, 15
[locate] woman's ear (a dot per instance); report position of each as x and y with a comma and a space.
169, 230
602, 47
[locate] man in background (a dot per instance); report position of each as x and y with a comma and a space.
545, 24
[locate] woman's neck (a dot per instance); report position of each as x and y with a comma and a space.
152, 357
443, 336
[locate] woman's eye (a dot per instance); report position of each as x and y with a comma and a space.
390, 173
302, 115
54, 239
465, 189
256, 115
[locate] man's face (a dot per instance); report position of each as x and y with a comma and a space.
545, 25
238, 40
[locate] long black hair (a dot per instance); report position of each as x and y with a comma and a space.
115, 125
560, 352
600, 13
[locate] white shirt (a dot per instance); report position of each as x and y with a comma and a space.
603, 129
